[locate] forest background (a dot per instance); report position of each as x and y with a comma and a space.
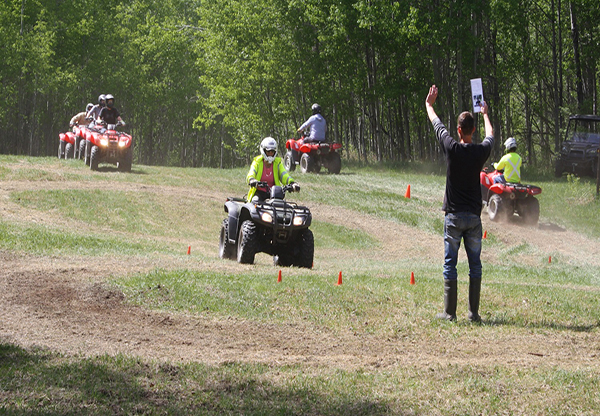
201, 82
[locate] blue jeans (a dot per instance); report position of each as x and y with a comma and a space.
465, 226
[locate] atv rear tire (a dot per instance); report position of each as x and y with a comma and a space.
284, 259
530, 210
306, 244
288, 161
226, 249
247, 243
496, 208
334, 163
309, 164
68, 150
94, 157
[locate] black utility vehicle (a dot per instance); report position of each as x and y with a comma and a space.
273, 226
579, 152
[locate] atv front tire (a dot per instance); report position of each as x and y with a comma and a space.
307, 249
94, 157
496, 208
125, 166
247, 243
226, 249
82, 149
68, 150
61, 149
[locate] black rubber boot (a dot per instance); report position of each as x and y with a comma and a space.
474, 293
450, 295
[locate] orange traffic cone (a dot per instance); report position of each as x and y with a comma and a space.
485, 234
189, 249
412, 278
339, 279
407, 194
549, 259
279, 277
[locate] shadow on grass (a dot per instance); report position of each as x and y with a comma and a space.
41, 382
515, 322
115, 169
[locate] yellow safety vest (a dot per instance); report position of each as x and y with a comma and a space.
281, 176
511, 163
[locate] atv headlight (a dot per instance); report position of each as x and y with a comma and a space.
266, 217
298, 221
122, 144
104, 142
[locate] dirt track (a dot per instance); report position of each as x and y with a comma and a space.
63, 304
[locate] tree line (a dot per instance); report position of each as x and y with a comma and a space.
201, 82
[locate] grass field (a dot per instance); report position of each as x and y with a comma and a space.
238, 342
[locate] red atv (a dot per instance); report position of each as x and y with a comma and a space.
109, 146
505, 199
311, 156
66, 145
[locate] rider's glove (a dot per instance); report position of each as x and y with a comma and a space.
295, 187
253, 182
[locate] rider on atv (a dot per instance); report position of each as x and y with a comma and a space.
109, 114
93, 114
510, 164
267, 168
80, 118
317, 124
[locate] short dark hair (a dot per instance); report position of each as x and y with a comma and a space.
466, 122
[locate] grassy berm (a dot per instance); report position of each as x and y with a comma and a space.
103, 311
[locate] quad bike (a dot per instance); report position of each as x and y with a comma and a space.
505, 199
109, 146
311, 156
66, 144
273, 226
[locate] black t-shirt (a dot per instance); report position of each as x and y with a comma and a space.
109, 115
464, 162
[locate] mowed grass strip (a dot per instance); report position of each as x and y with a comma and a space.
41, 382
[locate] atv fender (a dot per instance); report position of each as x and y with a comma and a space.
498, 188
233, 209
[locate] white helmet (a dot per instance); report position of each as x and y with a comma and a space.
267, 144
510, 143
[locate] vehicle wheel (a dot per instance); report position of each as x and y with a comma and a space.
307, 163
288, 161
496, 208
61, 149
530, 210
94, 157
335, 163
226, 249
88, 150
81, 149
125, 166
306, 254
558, 169
247, 243
68, 150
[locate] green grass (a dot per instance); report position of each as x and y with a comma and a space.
41, 382
525, 297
